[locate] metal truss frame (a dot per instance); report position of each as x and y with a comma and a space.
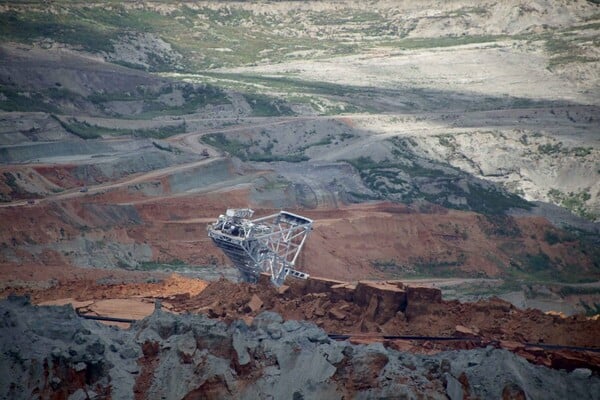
268, 244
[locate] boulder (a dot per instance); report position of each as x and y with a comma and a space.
283, 289
512, 391
421, 301
343, 292
463, 331
454, 388
254, 305
190, 356
382, 300
571, 360
337, 314
320, 285
423, 295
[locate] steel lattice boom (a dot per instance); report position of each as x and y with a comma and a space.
269, 244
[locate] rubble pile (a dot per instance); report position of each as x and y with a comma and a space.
51, 353
373, 311
387, 308
333, 305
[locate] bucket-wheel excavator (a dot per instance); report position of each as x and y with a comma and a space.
269, 244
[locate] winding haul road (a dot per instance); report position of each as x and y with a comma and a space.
185, 141
429, 123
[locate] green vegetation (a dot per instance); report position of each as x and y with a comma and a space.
276, 184
580, 262
566, 47
95, 28
447, 141
550, 148
65, 28
581, 151
83, 130
575, 202
339, 98
168, 148
482, 290
590, 309
92, 28
211, 37
175, 265
328, 98
231, 146
531, 290
551, 238
141, 93
420, 267
537, 262
285, 84
445, 41
159, 133
265, 106
261, 148
441, 268
193, 98
11, 182
540, 267
242, 150
360, 197
51, 100
404, 180
388, 266
87, 131
557, 148
12, 99
567, 290
294, 158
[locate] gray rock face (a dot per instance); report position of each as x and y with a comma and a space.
53, 351
50, 351
454, 389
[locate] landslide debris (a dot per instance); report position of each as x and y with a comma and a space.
374, 309
50, 352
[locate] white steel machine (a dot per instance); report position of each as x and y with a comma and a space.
269, 244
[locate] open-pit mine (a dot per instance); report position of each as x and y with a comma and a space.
305, 200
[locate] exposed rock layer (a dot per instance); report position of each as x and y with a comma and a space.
50, 352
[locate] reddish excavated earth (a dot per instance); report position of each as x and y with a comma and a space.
362, 241
388, 308
45, 283
347, 243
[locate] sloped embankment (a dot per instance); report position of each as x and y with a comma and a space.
49, 351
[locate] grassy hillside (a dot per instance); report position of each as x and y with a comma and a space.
223, 34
